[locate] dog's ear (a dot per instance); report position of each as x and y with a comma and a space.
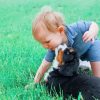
60, 56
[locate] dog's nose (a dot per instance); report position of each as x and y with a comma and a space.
71, 50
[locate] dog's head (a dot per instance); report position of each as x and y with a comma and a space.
68, 61
67, 55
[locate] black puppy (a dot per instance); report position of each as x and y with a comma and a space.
67, 78
89, 86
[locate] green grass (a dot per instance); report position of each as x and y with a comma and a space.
20, 54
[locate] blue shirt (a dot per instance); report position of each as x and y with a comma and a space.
74, 33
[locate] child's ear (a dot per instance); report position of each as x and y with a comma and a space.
60, 29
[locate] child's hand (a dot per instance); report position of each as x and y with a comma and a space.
88, 36
28, 86
34, 85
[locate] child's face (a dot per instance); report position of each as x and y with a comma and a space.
48, 39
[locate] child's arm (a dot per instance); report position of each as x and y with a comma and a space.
42, 69
91, 33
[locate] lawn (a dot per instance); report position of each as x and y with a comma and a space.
20, 54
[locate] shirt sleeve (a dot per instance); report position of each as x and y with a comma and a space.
49, 55
83, 26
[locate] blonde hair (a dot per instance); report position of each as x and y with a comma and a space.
47, 18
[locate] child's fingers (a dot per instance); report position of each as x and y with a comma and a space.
87, 40
86, 37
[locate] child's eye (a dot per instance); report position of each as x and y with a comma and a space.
47, 41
